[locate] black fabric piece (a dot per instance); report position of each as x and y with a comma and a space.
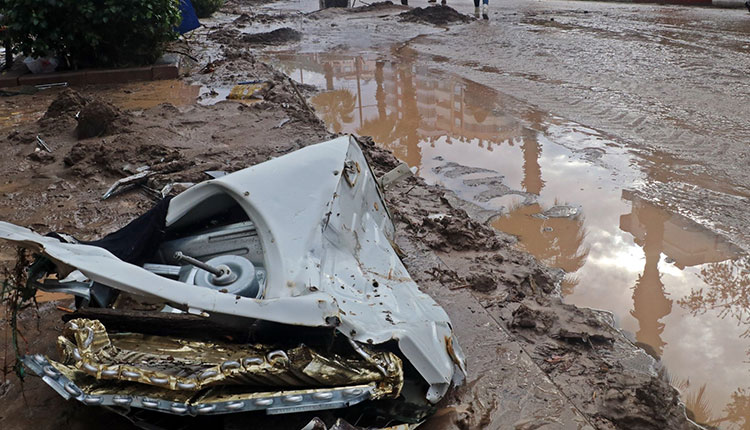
138, 241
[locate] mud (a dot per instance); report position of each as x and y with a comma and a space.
436, 15
577, 348
99, 118
533, 360
275, 37
378, 6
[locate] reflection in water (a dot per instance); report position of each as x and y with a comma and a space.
335, 108
728, 292
558, 242
509, 158
686, 244
650, 302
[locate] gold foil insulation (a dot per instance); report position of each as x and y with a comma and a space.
181, 365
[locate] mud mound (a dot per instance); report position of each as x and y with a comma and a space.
61, 113
90, 157
334, 3
437, 15
456, 231
99, 118
382, 5
68, 102
275, 37
225, 36
262, 18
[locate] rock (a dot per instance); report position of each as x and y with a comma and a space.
482, 282
43, 157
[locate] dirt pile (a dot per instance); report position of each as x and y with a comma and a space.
112, 156
436, 15
68, 103
61, 113
90, 117
275, 37
235, 39
257, 18
381, 5
99, 118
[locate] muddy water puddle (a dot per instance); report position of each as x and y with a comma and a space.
30, 104
571, 195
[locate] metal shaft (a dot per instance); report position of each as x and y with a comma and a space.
179, 256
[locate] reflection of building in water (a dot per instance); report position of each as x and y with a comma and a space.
446, 107
408, 98
682, 240
408, 107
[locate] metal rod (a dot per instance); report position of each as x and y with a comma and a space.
179, 256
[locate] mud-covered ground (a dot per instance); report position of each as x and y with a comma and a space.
533, 361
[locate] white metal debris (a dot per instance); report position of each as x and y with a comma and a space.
326, 240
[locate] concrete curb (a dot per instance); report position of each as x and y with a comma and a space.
93, 76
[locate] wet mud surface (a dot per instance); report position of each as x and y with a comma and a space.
535, 362
654, 238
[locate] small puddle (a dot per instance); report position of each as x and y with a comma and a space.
31, 104
570, 194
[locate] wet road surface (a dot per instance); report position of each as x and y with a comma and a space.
575, 198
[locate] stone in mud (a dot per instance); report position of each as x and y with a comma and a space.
275, 37
482, 282
99, 118
539, 319
437, 15
43, 157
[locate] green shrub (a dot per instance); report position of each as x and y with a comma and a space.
92, 32
204, 8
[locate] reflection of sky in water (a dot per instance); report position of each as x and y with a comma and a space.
624, 254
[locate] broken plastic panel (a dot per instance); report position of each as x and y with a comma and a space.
303, 240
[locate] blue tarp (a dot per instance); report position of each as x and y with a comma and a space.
189, 18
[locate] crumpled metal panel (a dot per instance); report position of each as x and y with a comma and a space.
189, 365
326, 238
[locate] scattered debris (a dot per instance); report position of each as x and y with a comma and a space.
250, 90
282, 123
42, 144
560, 211
312, 339
396, 174
127, 183
215, 173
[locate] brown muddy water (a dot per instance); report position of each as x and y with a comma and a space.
571, 196
23, 108
568, 192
